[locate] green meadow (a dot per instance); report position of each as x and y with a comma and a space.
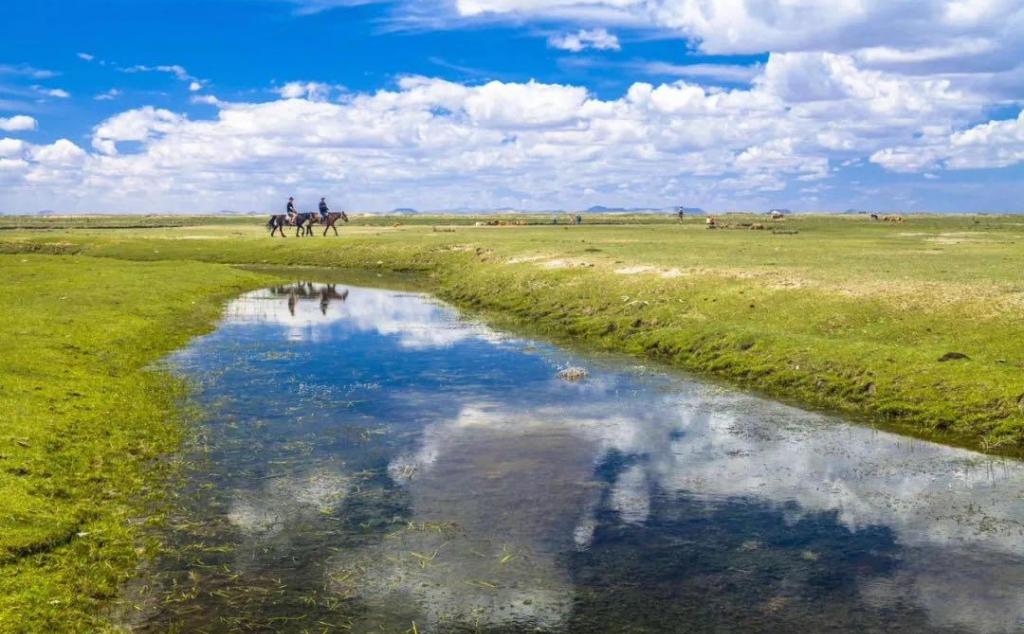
913, 326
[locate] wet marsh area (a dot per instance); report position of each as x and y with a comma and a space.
368, 460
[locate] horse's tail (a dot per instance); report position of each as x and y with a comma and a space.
272, 222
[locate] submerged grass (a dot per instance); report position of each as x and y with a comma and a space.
85, 422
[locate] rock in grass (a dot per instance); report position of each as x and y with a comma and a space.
572, 374
953, 356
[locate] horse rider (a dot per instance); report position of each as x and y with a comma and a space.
291, 210
323, 209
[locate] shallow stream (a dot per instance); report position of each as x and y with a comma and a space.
369, 460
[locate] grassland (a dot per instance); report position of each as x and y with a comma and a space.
84, 422
838, 313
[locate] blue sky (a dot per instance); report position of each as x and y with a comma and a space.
434, 104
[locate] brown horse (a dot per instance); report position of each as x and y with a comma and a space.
333, 217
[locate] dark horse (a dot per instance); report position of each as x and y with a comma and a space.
331, 218
302, 223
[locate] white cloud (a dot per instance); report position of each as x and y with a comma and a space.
598, 39
431, 143
208, 100
720, 72
59, 93
110, 95
61, 152
134, 125
10, 148
179, 72
24, 70
736, 26
17, 123
988, 145
86, 56
312, 90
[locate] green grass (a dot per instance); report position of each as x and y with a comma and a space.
836, 313
85, 422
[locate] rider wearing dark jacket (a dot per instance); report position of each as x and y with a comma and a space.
290, 209
323, 208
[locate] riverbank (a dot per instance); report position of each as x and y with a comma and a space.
86, 421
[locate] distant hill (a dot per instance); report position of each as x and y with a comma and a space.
404, 210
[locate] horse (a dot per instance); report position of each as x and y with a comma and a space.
333, 217
301, 221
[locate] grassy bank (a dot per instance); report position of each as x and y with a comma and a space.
840, 313
84, 422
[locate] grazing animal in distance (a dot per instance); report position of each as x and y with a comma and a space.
874, 216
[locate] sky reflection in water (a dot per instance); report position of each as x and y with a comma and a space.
399, 464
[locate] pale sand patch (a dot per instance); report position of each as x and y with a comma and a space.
960, 240
564, 264
522, 259
637, 270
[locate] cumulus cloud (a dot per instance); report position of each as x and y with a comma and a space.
791, 25
134, 125
433, 143
715, 72
312, 90
988, 145
17, 123
86, 56
12, 148
598, 39
61, 153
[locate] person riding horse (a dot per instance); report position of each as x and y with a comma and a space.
290, 209
323, 210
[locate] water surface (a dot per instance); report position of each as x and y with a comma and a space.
367, 460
